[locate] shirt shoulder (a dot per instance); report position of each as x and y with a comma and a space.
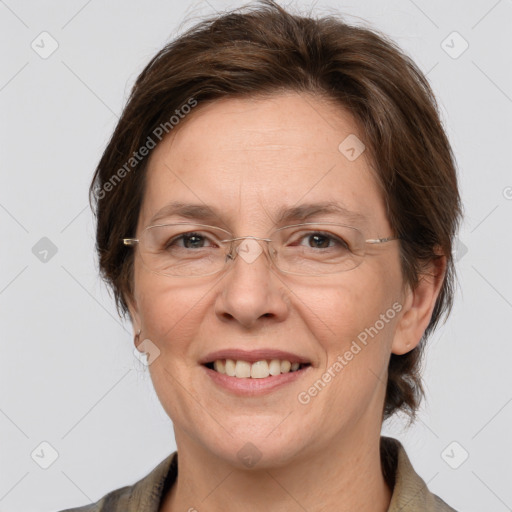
144, 495
410, 492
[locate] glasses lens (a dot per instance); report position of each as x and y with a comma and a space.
190, 250
316, 249
185, 250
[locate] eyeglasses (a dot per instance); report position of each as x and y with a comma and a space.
197, 250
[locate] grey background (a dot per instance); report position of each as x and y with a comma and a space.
68, 375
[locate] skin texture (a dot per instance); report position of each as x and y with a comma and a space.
247, 158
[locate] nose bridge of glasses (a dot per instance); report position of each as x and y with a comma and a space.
248, 247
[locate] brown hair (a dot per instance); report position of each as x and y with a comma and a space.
264, 49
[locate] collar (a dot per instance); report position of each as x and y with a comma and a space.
410, 492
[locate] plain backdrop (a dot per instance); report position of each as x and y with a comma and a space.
72, 395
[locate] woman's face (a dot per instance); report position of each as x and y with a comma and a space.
247, 159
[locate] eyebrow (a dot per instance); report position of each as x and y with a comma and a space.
284, 214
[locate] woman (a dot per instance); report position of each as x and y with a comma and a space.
276, 210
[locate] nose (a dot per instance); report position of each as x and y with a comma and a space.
251, 292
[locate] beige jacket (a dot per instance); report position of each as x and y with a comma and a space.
410, 493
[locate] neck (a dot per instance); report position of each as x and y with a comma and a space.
344, 476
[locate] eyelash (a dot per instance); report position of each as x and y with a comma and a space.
329, 236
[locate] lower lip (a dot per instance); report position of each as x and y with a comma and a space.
252, 387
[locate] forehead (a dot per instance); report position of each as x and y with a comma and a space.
254, 157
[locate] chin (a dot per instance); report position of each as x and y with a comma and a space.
263, 448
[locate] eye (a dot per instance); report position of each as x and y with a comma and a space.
189, 240
323, 240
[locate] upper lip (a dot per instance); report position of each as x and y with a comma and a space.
252, 356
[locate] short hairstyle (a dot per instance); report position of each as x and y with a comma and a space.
263, 49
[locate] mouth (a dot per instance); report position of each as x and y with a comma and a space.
260, 369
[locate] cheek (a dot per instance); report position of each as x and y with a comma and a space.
352, 304
359, 316
170, 311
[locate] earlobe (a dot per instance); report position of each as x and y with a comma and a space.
418, 306
134, 314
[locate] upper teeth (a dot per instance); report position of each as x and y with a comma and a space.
257, 370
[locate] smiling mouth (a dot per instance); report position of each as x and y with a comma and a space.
257, 370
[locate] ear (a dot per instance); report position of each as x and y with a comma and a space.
134, 313
418, 304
